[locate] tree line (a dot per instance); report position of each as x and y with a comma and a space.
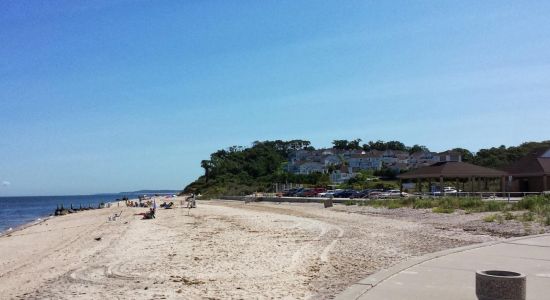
376, 145
240, 170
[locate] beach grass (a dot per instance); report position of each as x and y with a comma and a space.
537, 207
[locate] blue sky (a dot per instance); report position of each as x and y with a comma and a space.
120, 95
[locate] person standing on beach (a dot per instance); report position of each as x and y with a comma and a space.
191, 201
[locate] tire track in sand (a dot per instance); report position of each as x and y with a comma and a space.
323, 226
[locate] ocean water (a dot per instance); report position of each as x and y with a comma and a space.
16, 211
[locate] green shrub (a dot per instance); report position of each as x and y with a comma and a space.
469, 203
490, 218
423, 203
443, 210
528, 216
533, 202
538, 207
349, 202
508, 216
406, 202
493, 205
392, 204
377, 203
448, 202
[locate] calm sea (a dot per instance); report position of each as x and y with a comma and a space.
16, 211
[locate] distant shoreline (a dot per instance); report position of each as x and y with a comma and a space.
23, 211
146, 192
42, 219
7, 232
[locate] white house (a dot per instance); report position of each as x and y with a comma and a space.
341, 175
331, 160
298, 155
311, 167
365, 162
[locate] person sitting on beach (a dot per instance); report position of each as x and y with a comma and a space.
150, 214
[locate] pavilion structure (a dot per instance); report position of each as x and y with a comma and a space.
459, 172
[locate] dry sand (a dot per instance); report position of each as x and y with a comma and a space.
220, 250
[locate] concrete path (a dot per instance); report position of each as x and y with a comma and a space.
450, 274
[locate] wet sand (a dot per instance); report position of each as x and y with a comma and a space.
220, 250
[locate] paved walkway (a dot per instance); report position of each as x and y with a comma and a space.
450, 274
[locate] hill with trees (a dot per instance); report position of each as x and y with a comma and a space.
241, 170
238, 170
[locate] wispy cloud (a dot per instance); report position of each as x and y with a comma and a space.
6, 183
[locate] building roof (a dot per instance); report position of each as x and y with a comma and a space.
449, 152
400, 165
422, 154
452, 169
536, 163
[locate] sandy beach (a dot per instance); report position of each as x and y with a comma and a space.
220, 250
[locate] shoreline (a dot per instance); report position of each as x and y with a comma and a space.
43, 218
12, 230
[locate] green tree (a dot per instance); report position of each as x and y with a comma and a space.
354, 145
467, 156
418, 148
378, 145
396, 146
340, 144
205, 164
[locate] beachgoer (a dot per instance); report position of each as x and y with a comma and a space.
191, 203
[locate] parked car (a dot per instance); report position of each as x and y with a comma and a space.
394, 194
449, 190
310, 192
302, 193
361, 194
329, 193
292, 192
375, 194
371, 192
345, 194
357, 195
317, 191
287, 193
